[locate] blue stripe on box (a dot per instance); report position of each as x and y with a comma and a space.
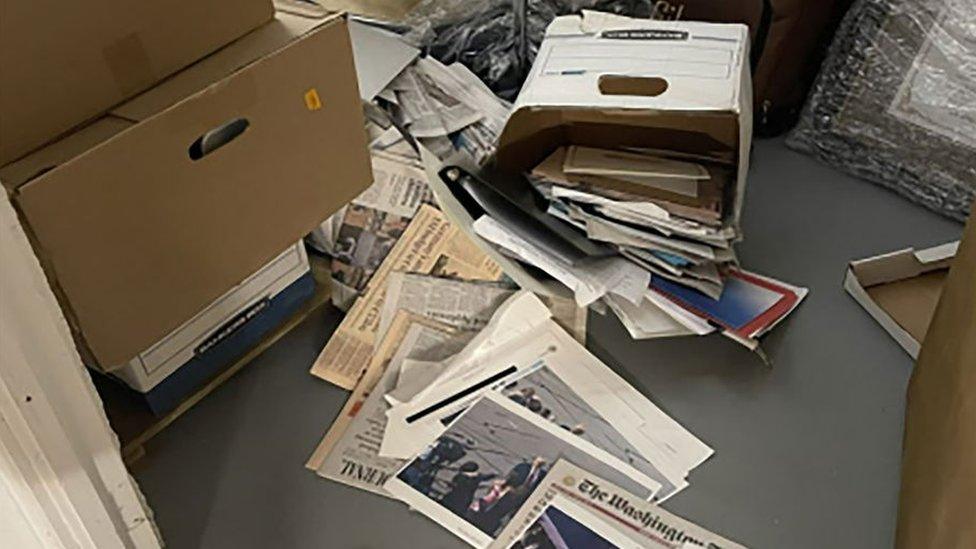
217, 354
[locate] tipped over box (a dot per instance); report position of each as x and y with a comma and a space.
154, 211
617, 83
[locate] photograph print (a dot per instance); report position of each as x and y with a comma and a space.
486, 464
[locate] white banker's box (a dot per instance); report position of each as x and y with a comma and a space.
218, 321
611, 82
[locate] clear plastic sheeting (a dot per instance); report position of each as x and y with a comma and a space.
498, 39
895, 102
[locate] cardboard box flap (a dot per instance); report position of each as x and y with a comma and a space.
603, 61
902, 264
936, 254
15, 174
144, 230
911, 302
938, 486
284, 29
532, 134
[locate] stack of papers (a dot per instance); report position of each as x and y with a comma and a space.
672, 269
472, 426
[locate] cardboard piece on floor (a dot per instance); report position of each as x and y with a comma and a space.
65, 63
938, 486
170, 213
901, 290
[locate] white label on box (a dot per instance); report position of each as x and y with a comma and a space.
192, 337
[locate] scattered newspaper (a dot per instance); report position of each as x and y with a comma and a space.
447, 108
375, 220
424, 330
475, 475
430, 244
349, 451
572, 508
542, 368
465, 304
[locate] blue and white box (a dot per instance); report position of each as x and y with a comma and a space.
211, 341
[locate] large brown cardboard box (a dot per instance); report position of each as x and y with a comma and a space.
64, 63
937, 507
141, 221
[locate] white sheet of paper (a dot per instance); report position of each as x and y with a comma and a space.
647, 320
379, 56
589, 281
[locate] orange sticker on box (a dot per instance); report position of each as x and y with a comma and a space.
312, 100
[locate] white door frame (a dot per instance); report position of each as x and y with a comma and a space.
60, 462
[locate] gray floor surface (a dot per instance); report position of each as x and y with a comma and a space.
807, 453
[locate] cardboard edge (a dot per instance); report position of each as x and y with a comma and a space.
85, 350
326, 22
926, 260
860, 295
938, 253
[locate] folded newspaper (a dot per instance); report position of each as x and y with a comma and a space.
430, 245
573, 508
432, 318
523, 355
473, 391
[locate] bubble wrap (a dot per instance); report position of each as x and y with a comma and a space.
498, 39
895, 101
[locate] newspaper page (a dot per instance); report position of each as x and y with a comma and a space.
573, 508
466, 304
370, 377
349, 451
442, 298
374, 221
549, 374
430, 244
475, 475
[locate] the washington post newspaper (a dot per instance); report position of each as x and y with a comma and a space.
575, 509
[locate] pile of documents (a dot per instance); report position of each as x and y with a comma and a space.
621, 174
640, 232
476, 405
410, 103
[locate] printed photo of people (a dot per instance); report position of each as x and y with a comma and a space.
555, 529
543, 393
365, 239
488, 462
